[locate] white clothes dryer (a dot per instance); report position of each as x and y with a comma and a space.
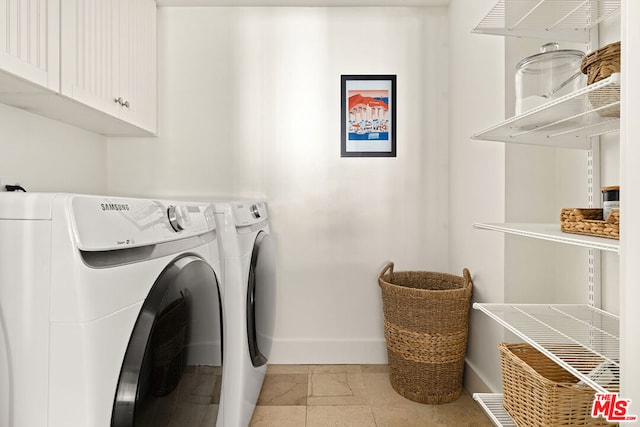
249, 297
110, 312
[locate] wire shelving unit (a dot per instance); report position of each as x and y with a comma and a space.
569, 121
582, 339
552, 233
567, 20
491, 403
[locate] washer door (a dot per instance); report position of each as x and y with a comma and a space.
172, 367
261, 299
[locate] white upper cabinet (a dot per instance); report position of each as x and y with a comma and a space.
108, 59
89, 58
89, 63
29, 43
137, 63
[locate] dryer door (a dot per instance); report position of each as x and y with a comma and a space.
261, 299
173, 363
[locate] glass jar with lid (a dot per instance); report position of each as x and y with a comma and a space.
548, 75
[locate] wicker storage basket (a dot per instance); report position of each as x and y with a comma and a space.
590, 221
599, 65
539, 393
426, 318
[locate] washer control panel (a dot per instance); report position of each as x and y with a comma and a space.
101, 223
176, 218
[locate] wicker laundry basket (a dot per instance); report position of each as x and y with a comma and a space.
539, 393
426, 319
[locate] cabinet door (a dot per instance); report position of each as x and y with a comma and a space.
89, 53
29, 42
137, 74
109, 57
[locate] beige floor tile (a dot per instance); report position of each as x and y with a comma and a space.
287, 369
279, 416
338, 385
334, 369
463, 412
284, 390
352, 395
380, 392
375, 369
340, 416
404, 416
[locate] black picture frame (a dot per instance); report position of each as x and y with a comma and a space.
368, 115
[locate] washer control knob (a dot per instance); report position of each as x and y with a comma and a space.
176, 219
255, 212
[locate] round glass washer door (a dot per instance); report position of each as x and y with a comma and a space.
261, 299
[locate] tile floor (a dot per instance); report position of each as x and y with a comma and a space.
351, 396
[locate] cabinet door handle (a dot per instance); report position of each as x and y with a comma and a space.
121, 101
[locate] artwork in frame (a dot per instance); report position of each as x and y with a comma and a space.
368, 116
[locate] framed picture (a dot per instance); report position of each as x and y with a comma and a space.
368, 116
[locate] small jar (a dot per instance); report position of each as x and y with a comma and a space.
610, 200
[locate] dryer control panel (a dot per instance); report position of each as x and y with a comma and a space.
249, 212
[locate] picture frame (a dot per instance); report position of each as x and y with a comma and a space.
368, 115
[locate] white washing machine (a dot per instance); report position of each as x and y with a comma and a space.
110, 312
249, 297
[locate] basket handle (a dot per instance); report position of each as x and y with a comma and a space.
389, 266
466, 274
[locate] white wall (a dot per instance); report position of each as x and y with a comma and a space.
476, 178
539, 182
45, 155
250, 106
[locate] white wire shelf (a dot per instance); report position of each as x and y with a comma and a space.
491, 403
569, 121
551, 232
566, 20
580, 338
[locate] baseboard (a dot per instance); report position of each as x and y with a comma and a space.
474, 382
321, 352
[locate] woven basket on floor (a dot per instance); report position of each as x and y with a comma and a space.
599, 65
426, 318
539, 393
